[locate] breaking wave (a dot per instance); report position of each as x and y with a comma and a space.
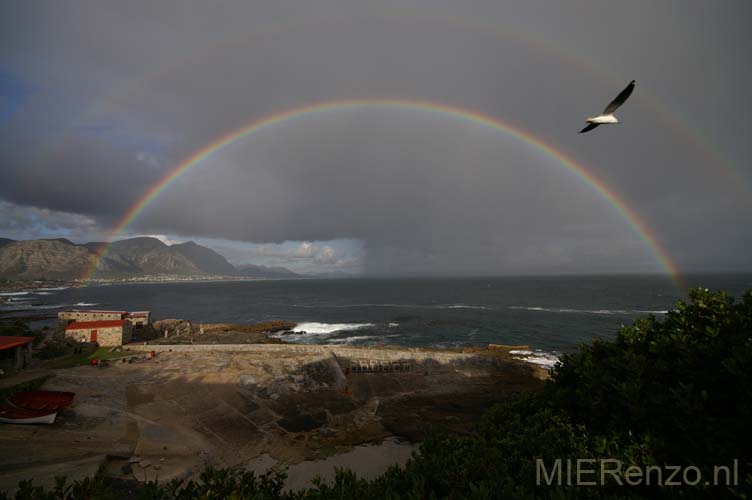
307, 333
327, 328
623, 312
537, 357
463, 306
389, 305
28, 305
352, 340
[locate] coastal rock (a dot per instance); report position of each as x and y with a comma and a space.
247, 379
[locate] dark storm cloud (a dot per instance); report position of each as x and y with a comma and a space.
26, 222
125, 91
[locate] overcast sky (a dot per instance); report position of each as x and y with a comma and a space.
99, 100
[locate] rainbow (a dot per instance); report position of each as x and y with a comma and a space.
633, 219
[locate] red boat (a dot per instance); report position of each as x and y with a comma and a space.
42, 400
21, 416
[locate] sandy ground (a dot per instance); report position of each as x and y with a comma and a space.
366, 460
251, 406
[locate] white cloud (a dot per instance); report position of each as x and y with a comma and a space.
299, 256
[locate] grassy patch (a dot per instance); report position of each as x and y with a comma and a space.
108, 353
72, 359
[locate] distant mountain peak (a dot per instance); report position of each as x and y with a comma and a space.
65, 241
59, 258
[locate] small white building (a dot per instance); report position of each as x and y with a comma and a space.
105, 333
139, 318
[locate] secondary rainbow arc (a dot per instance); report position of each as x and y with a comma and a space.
606, 193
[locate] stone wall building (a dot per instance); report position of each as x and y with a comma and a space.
15, 353
105, 333
68, 317
138, 318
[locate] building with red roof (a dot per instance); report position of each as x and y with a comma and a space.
135, 318
67, 317
112, 332
15, 352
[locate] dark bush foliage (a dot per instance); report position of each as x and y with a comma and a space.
17, 328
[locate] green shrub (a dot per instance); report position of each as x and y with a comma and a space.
684, 382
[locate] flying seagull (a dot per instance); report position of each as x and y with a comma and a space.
608, 114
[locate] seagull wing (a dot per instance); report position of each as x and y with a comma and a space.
590, 126
623, 96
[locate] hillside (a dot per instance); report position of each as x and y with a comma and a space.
150, 256
63, 259
43, 259
205, 259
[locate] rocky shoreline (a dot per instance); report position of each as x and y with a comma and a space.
234, 394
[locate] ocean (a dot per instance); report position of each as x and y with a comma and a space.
550, 314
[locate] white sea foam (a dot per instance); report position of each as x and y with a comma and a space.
449, 344
537, 357
52, 289
307, 333
566, 310
405, 306
84, 304
352, 340
13, 294
392, 325
328, 328
464, 306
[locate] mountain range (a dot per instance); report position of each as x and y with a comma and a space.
62, 259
